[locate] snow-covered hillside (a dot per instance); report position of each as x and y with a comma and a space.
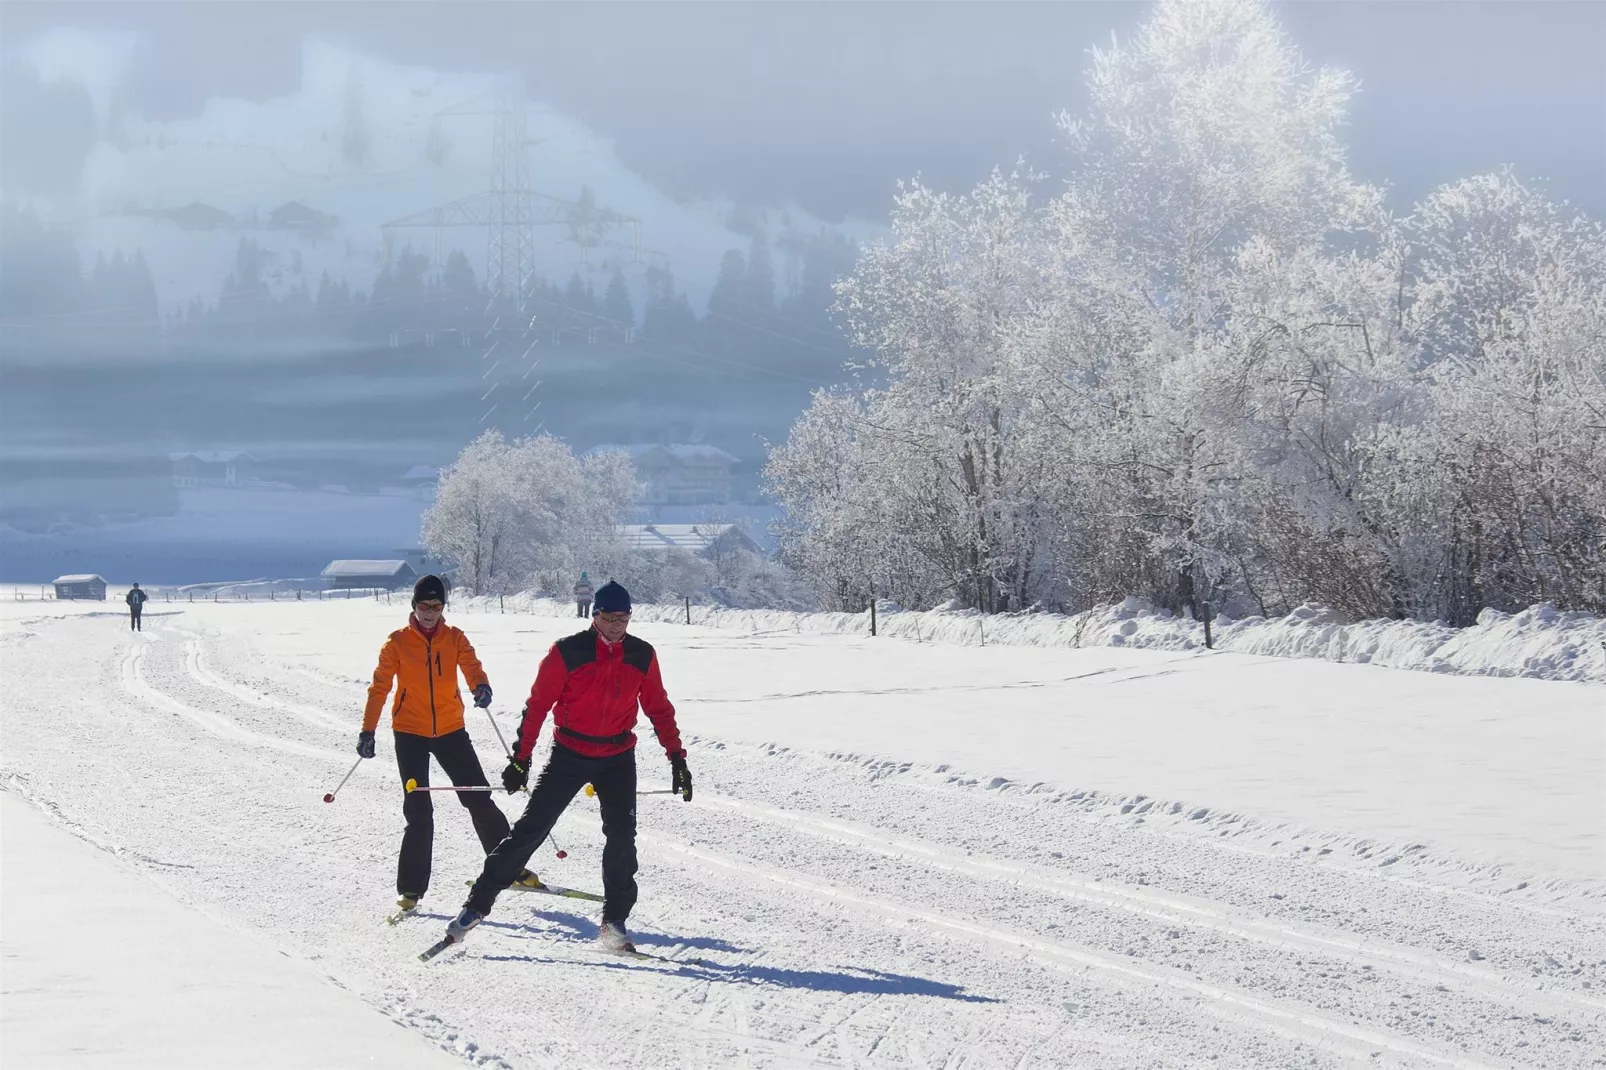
900, 853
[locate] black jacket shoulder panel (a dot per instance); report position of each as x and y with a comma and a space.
638, 653
577, 649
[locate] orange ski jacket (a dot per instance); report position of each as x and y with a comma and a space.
424, 670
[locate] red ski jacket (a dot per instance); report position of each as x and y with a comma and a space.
595, 689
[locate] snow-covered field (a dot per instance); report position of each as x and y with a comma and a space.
901, 853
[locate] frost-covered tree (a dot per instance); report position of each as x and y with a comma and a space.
528, 513
1510, 305
938, 305
1213, 368
1209, 151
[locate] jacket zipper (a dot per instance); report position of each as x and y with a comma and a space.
429, 648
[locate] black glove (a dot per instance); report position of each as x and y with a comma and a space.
515, 776
365, 744
482, 696
682, 776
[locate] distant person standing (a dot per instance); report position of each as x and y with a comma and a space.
136, 602
582, 596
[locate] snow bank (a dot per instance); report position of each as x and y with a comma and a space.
1541, 642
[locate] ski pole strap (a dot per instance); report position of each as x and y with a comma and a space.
622, 737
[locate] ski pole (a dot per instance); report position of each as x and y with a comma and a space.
330, 796
591, 792
413, 785
498, 730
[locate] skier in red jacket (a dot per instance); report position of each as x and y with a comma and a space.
596, 679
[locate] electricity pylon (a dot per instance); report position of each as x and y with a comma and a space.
510, 210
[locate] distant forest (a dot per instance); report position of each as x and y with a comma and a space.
769, 309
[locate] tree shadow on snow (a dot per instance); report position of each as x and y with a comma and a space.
570, 930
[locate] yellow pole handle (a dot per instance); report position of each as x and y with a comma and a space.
411, 785
591, 792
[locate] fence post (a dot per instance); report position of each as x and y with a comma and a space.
872, 610
298, 594
1205, 608
501, 602
688, 609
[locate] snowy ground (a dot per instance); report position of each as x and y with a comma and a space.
901, 853
110, 972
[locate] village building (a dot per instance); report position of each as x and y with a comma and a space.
678, 473
394, 575
215, 468
703, 540
80, 586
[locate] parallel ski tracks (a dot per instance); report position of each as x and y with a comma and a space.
1289, 1019
1182, 910
195, 666
135, 683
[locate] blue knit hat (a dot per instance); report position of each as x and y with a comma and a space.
611, 598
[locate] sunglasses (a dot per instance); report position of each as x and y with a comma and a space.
613, 618
430, 607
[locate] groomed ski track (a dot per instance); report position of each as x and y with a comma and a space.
844, 909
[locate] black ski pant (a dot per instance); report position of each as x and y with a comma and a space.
462, 765
565, 774
133, 619
582, 609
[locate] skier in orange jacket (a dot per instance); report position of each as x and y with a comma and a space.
422, 661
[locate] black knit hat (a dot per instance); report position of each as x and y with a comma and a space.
611, 598
429, 588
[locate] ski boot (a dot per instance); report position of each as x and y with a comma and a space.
527, 882
612, 937
460, 925
405, 905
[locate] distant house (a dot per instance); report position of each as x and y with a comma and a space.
214, 468
81, 585
293, 215
422, 561
197, 216
678, 473
423, 480
704, 540
387, 575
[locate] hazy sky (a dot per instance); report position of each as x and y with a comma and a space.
829, 103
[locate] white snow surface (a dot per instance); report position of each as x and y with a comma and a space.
114, 971
900, 853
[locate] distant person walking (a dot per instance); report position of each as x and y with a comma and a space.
136, 603
423, 659
582, 596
